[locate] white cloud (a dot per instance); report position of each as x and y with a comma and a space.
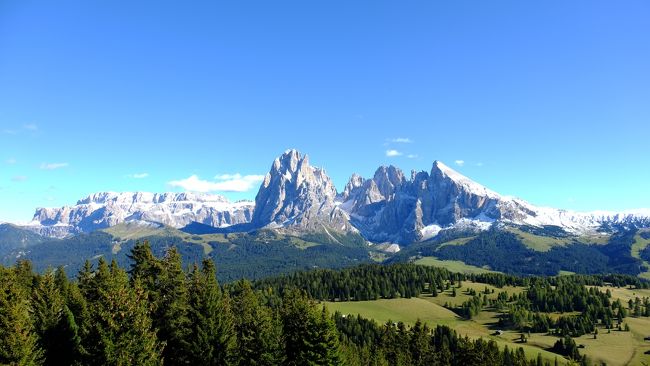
53, 166
31, 127
19, 178
138, 175
479, 164
224, 183
11, 161
229, 176
401, 140
412, 156
392, 153
460, 162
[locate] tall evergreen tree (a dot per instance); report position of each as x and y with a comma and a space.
171, 308
55, 325
310, 337
258, 334
145, 266
121, 327
212, 337
18, 340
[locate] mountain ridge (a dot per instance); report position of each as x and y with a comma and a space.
294, 196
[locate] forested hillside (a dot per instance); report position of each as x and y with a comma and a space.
155, 313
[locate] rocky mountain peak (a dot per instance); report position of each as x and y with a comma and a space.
388, 179
441, 172
352, 187
296, 194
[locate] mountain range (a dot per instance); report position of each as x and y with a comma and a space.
300, 221
297, 198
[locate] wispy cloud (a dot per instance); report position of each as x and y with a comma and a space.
138, 175
53, 166
19, 178
393, 153
223, 183
460, 162
479, 164
400, 140
11, 161
412, 156
31, 127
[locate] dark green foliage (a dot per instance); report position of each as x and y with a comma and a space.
70, 252
264, 253
54, 322
171, 308
257, 329
14, 240
18, 340
121, 330
211, 340
365, 282
310, 335
547, 230
567, 347
253, 255
504, 252
163, 314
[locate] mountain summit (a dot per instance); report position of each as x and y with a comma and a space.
296, 195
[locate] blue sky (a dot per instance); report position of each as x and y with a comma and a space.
544, 100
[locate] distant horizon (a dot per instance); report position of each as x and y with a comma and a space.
541, 100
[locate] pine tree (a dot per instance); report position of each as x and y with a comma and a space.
310, 337
145, 266
212, 337
48, 307
68, 349
122, 332
257, 333
418, 344
171, 308
18, 341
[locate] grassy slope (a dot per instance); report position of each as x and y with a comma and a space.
545, 243
134, 231
637, 247
459, 241
537, 242
615, 348
454, 266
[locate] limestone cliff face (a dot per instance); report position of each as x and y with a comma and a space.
298, 196
106, 209
390, 207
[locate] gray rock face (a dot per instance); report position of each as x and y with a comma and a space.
389, 207
106, 209
295, 195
